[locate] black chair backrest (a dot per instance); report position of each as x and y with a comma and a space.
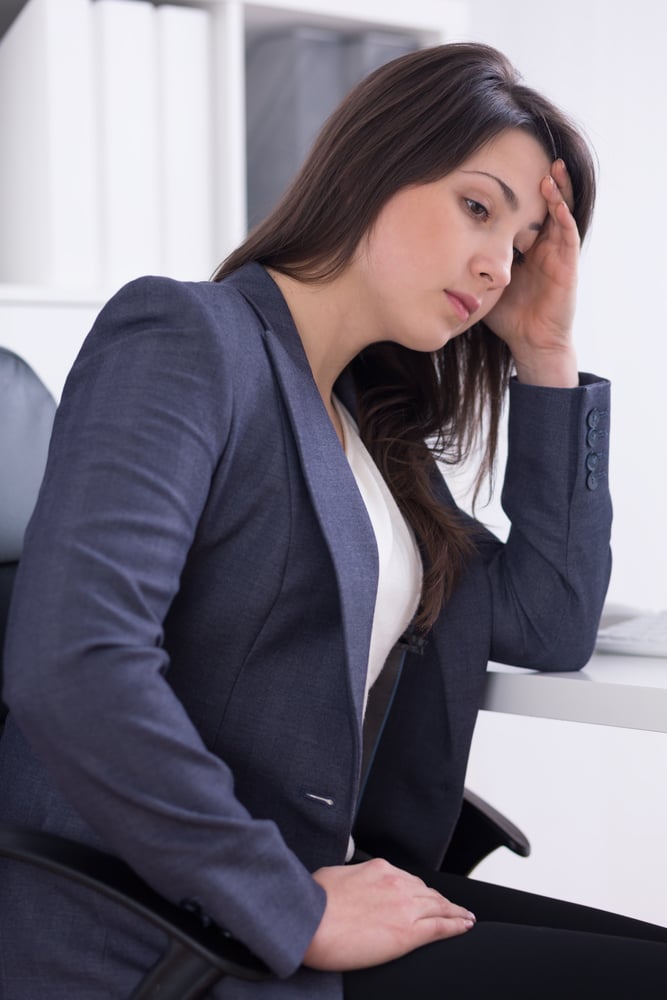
27, 409
7, 574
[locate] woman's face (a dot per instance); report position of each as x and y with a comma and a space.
441, 254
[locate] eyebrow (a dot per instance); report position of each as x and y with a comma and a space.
508, 194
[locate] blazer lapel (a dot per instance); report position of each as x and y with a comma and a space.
340, 510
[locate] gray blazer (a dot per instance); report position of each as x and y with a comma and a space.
187, 647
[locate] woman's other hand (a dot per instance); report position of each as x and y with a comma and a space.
375, 913
535, 313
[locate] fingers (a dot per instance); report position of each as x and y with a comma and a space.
562, 180
427, 916
439, 929
435, 904
441, 919
375, 913
556, 194
409, 891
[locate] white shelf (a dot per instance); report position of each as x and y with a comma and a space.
434, 17
431, 19
86, 205
42, 295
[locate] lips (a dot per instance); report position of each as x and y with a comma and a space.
464, 305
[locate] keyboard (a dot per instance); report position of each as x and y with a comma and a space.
640, 634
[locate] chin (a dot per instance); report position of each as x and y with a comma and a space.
442, 338
429, 338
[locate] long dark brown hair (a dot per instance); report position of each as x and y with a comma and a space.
411, 122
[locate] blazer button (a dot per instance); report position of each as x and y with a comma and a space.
592, 481
593, 418
592, 461
592, 437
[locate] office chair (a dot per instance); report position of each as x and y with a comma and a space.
198, 953
26, 417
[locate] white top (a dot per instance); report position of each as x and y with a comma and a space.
400, 574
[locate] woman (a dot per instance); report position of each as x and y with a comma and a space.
218, 568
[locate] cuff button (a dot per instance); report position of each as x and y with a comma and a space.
593, 418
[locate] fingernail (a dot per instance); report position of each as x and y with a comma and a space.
471, 916
469, 923
562, 163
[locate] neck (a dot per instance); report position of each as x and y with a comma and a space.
326, 315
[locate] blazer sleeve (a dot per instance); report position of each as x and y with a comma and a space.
549, 580
143, 422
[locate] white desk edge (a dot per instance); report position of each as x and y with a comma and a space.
612, 690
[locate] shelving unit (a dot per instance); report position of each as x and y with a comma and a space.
123, 127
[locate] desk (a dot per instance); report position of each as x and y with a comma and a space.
625, 691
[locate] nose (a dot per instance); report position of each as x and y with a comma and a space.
494, 265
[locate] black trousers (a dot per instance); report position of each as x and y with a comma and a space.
526, 947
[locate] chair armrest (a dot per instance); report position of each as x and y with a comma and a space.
111, 877
479, 831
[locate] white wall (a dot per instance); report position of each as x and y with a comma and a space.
604, 62
592, 799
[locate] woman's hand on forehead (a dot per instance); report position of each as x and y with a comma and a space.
535, 313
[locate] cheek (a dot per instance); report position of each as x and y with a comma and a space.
408, 232
393, 264
384, 250
490, 300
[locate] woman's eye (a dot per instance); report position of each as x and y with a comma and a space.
476, 208
519, 257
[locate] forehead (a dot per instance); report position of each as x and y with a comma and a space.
514, 150
514, 163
